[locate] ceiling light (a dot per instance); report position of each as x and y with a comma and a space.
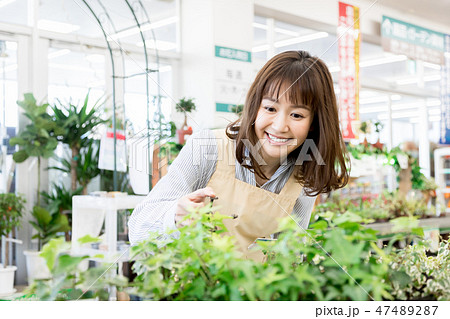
428, 78
432, 65
259, 26
9, 68
383, 60
144, 27
58, 53
95, 58
287, 32
377, 109
70, 67
161, 45
396, 97
434, 118
304, 38
5, 2
56, 26
260, 48
374, 99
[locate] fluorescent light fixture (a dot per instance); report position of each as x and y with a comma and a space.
434, 102
376, 109
432, 65
374, 99
334, 68
428, 78
56, 26
161, 45
287, 32
259, 26
165, 68
95, 58
260, 48
5, 2
58, 53
144, 27
383, 60
303, 38
9, 68
277, 29
434, 118
396, 97
70, 67
11, 45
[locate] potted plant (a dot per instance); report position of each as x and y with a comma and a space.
11, 208
78, 123
365, 129
184, 106
47, 226
378, 127
38, 139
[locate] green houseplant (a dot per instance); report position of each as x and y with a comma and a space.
184, 106
78, 123
11, 209
39, 138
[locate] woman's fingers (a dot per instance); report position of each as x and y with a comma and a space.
191, 201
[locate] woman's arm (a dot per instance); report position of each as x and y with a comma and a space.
302, 209
191, 170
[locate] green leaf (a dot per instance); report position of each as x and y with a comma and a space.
88, 239
20, 156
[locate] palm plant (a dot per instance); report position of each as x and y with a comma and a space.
87, 164
78, 123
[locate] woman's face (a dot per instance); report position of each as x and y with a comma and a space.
281, 127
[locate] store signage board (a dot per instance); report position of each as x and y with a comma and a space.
415, 42
445, 95
349, 45
233, 75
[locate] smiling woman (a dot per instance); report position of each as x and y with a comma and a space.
291, 102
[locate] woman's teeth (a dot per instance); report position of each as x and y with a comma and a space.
276, 139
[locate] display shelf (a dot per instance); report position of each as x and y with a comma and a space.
88, 215
441, 171
426, 223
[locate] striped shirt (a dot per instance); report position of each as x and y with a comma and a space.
192, 170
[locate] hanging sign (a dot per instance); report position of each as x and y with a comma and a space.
106, 156
349, 44
233, 72
445, 95
415, 42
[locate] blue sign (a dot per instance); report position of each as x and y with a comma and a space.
445, 95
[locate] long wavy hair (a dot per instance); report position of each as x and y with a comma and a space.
309, 82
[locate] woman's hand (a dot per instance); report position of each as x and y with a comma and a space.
192, 200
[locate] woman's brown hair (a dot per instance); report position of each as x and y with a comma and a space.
308, 82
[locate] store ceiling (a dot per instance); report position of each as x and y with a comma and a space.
389, 76
434, 10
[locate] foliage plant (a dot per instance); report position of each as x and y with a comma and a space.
420, 274
59, 202
332, 261
12, 207
185, 106
87, 164
79, 123
47, 224
67, 281
387, 206
39, 138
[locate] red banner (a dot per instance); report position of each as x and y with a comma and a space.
349, 44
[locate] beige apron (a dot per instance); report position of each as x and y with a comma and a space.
257, 210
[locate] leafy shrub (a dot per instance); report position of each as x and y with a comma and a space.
419, 274
320, 264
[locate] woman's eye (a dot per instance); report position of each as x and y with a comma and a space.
269, 109
297, 116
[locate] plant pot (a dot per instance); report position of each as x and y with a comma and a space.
7, 280
36, 266
182, 134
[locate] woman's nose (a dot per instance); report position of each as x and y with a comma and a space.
280, 123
